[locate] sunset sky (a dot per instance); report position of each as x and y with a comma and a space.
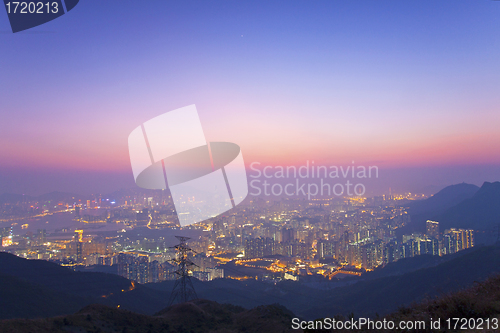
409, 86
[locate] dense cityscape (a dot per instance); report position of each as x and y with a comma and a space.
250, 166
273, 240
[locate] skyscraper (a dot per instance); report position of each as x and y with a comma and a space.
432, 228
79, 246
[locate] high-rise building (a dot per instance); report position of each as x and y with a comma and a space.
215, 273
79, 245
457, 239
393, 252
301, 249
326, 248
354, 254
286, 235
368, 256
259, 247
432, 228
429, 246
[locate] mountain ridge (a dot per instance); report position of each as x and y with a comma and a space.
480, 212
444, 199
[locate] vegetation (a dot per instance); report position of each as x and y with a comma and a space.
482, 300
196, 316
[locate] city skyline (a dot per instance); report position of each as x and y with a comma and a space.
238, 166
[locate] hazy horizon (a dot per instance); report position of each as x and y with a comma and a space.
420, 180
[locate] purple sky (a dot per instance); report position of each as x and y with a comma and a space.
409, 86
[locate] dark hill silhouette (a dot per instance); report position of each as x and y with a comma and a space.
444, 199
364, 299
89, 287
381, 292
431, 208
367, 298
480, 212
477, 301
195, 316
60, 278
21, 298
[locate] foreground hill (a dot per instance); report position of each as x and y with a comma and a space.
23, 299
196, 316
473, 309
384, 295
382, 292
478, 301
482, 300
34, 288
49, 282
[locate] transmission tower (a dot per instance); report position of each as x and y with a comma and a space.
183, 290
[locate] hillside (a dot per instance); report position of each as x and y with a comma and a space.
21, 298
77, 288
381, 291
384, 295
479, 301
407, 265
428, 209
196, 316
480, 212
476, 305
444, 199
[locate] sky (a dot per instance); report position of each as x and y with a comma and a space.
408, 86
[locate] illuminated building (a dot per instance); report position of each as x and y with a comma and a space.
78, 245
6, 236
215, 273
326, 249
6, 241
455, 240
259, 247
432, 228
368, 256
202, 276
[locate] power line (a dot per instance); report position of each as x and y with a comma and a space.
183, 290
